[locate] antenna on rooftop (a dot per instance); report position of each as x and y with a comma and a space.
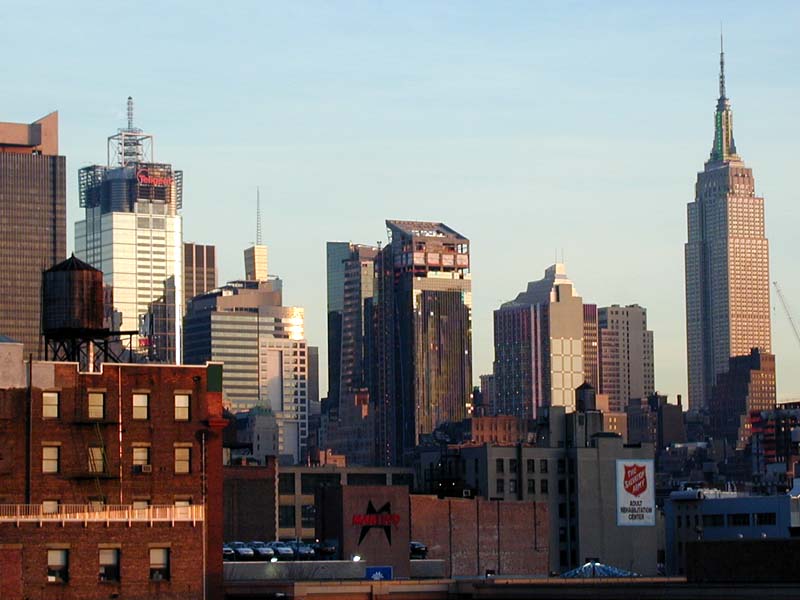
258, 216
130, 113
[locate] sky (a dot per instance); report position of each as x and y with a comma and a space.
532, 128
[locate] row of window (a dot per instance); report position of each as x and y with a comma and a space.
544, 486
109, 560
733, 520
96, 406
530, 465
51, 459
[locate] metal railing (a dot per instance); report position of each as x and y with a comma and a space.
105, 513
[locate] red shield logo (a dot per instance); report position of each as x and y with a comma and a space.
635, 482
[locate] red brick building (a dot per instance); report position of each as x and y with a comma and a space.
111, 481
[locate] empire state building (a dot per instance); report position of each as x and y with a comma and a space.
727, 262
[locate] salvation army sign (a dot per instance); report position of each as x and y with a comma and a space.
636, 499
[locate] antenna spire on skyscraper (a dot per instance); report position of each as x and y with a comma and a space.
130, 112
258, 217
721, 65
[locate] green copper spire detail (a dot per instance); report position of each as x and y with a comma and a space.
724, 148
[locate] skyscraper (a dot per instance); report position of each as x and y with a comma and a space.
133, 232
262, 343
727, 262
538, 347
33, 234
351, 283
423, 337
199, 270
627, 368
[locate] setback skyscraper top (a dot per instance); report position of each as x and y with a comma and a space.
727, 262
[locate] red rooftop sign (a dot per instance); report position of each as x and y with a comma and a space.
144, 178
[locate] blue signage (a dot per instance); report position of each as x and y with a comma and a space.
378, 573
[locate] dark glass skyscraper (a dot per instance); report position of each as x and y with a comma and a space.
727, 262
33, 228
423, 335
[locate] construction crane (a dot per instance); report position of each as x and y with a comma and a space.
787, 311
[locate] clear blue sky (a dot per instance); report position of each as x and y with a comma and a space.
526, 126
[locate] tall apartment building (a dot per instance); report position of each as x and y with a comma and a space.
262, 344
747, 386
33, 235
199, 270
110, 481
423, 337
351, 283
538, 347
727, 262
627, 366
133, 232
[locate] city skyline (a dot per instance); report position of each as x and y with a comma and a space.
501, 162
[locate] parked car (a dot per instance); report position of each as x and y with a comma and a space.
418, 551
242, 551
326, 549
228, 553
302, 551
261, 550
282, 550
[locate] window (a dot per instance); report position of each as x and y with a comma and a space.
57, 566
766, 519
286, 483
499, 465
97, 405
96, 460
50, 405
739, 520
141, 456
141, 407
561, 465
543, 485
713, 520
562, 510
159, 564
308, 516
512, 465
286, 516
49, 507
183, 460
182, 508
50, 459
562, 486
531, 486
543, 465
531, 465
501, 484
512, 486
109, 564
182, 402
141, 504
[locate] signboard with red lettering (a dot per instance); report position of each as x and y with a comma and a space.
636, 499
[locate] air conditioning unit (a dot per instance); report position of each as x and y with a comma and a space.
147, 468
466, 493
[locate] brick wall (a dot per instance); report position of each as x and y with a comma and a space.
23, 552
249, 502
73, 432
473, 536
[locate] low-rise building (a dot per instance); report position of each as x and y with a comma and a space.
110, 481
715, 515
